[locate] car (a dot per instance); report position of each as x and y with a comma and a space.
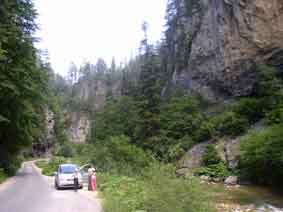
64, 178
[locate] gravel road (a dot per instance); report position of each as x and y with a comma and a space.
29, 191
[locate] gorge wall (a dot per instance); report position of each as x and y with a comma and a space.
229, 39
91, 95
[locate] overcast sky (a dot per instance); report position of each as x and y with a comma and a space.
80, 30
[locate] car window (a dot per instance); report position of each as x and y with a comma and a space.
68, 169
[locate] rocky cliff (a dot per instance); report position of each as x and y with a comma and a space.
91, 96
229, 38
80, 124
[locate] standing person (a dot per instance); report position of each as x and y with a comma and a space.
93, 180
76, 180
90, 171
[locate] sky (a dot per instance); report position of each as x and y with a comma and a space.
84, 30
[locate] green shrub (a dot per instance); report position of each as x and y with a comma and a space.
275, 116
11, 165
250, 108
262, 156
229, 124
3, 175
218, 170
210, 156
65, 150
156, 189
175, 152
268, 83
205, 132
117, 155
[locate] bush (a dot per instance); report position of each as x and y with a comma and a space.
218, 170
204, 132
3, 176
229, 124
275, 116
11, 165
181, 117
210, 156
65, 150
117, 155
262, 156
250, 108
156, 189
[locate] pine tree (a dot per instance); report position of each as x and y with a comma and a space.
149, 93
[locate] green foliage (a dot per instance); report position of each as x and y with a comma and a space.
3, 175
64, 150
22, 82
261, 155
229, 123
116, 155
268, 84
117, 118
156, 189
49, 167
275, 116
210, 156
218, 170
213, 164
252, 109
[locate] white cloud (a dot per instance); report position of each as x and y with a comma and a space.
74, 30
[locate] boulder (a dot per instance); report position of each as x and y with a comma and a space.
231, 180
232, 152
192, 159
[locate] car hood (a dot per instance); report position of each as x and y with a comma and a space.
67, 176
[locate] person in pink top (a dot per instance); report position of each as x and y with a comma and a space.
93, 180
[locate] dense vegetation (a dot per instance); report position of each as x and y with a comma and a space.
262, 152
129, 179
23, 79
144, 126
149, 121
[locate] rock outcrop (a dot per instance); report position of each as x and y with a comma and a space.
91, 95
228, 150
80, 124
45, 144
231, 180
192, 159
229, 37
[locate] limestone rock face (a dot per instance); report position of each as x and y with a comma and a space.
91, 95
80, 127
192, 159
228, 149
49, 123
228, 38
94, 92
45, 144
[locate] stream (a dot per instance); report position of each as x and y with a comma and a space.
262, 199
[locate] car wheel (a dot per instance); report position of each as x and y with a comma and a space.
56, 186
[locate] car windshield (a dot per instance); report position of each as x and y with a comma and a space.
68, 169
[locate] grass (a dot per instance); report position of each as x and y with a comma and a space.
157, 189
3, 176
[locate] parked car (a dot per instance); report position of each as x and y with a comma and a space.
64, 178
